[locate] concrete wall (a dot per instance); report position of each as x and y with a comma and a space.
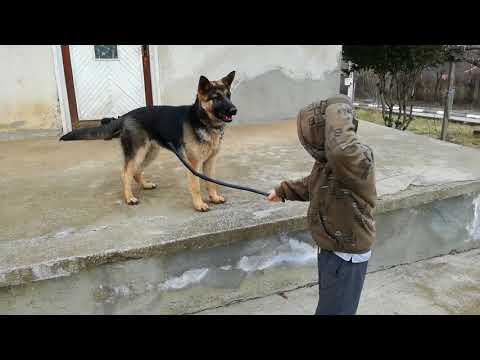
272, 82
28, 91
189, 281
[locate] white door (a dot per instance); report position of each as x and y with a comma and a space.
108, 80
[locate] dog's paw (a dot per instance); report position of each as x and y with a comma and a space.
149, 186
203, 207
217, 199
132, 201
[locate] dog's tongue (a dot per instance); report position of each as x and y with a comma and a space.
228, 118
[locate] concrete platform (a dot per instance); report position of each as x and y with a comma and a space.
63, 218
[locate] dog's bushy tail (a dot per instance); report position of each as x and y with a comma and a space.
110, 128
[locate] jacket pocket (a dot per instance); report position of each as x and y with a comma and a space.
316, 224
362, 217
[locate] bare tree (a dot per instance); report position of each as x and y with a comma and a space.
397, 69
366, 82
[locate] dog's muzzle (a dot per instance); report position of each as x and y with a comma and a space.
230, 114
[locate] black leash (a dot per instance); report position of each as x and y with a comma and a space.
201, 176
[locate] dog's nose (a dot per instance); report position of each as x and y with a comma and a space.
233, 111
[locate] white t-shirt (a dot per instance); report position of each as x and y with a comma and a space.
356, 258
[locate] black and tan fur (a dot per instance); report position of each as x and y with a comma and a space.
195, 130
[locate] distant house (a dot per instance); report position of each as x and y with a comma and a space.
60, 87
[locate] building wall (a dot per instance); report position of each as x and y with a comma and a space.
272, 82
28, 91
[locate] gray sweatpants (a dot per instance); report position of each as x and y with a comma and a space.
340, 284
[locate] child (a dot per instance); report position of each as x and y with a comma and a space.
342, 195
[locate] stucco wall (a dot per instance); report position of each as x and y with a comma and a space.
28, 91
272, 82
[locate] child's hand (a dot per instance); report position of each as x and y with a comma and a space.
273, 197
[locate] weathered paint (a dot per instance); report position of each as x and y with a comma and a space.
271, 82
28, 95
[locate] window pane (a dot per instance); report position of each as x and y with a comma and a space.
106, 52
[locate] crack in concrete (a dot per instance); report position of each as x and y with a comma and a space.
241, 300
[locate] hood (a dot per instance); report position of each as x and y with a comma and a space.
311, 125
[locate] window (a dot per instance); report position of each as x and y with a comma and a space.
106, 52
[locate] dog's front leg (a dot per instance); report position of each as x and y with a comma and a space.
194, 187
209, 170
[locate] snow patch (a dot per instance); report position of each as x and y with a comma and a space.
474, 227
293, 252
189, 277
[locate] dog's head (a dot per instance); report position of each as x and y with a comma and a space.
214, 98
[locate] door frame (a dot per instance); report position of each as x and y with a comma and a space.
66, 89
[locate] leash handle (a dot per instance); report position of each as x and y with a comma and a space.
203, 177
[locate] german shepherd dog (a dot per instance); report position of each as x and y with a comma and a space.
196, 131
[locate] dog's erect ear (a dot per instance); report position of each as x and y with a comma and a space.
204, 85
227, 80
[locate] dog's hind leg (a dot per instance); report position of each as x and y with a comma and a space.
149, 157
130, 170
135, 147
139, 178
127, 176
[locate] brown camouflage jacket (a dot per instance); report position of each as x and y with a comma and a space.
341, 187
